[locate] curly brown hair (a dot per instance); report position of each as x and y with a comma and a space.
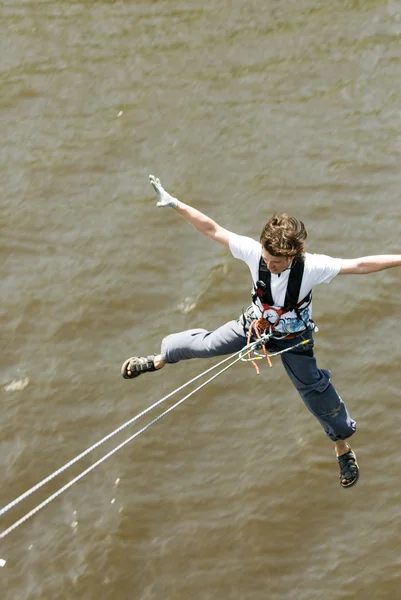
284, 236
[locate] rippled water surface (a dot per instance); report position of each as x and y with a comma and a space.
242, 109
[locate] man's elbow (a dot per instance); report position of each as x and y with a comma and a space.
355, 267
366, 267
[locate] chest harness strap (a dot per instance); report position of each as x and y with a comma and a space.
264, 294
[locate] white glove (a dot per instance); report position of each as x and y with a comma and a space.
164, 198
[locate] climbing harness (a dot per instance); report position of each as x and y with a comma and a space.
263, 292
263, 327
242, 355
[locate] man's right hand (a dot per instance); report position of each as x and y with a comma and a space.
164, 198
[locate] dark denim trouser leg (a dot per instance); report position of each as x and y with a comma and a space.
312, 383
319, 394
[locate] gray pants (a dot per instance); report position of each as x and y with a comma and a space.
312, 383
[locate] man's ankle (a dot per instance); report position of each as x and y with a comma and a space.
341, 447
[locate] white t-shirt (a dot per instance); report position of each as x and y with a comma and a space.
319, 268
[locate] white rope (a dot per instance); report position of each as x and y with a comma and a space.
116, 431
250, 347
37, 508
261, 356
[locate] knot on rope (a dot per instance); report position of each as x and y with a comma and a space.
258, 327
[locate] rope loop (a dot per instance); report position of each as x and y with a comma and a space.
259, 328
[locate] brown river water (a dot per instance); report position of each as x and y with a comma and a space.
242, 109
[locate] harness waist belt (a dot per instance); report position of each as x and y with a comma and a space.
288, 336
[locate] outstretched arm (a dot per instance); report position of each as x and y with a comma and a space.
194, 217
369, 264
